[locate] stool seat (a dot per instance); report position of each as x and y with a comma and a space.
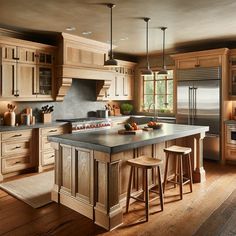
144, 162
178, 150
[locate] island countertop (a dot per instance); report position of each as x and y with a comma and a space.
110, 141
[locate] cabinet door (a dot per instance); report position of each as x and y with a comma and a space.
187, 63
127, 87
209, 61
45, 58
27, 55
44, 81
118, 87
26, 80
9, 53
8, 79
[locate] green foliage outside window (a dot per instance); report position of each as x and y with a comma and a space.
158, 89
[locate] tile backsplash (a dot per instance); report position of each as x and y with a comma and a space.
80, 101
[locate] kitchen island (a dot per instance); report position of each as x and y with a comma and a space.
91, 174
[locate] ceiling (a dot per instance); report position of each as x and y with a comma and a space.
188, 21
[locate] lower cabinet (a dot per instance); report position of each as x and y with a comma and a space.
230, 143
27, 150
16, 152
46, 152
77, 178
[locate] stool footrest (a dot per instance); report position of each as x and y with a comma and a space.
137, 198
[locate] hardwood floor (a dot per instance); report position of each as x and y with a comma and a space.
178, 218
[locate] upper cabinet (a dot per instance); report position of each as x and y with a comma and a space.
232, 74
122, 86
27, 70
209, 58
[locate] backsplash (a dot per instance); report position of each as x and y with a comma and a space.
80, 101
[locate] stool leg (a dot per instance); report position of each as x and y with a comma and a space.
160, 188
146, 195
180, 176
166, 170
190, 173
176, 169
129, 189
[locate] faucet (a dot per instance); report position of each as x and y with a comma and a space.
155, 111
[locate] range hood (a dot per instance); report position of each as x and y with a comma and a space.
81, 58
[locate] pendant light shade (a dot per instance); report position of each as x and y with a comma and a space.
111, 62
163, 71
147, 71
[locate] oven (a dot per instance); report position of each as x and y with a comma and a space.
231, 133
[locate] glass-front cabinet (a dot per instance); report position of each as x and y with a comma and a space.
45, 74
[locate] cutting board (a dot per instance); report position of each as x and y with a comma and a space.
123, 131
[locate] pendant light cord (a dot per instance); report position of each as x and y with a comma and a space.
111, 53
147, 20
163, 47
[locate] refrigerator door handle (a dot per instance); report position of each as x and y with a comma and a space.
189, 105
194, 103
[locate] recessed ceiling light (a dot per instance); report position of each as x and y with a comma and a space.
70, 28
86, 32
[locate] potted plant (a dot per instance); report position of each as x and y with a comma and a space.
126, 108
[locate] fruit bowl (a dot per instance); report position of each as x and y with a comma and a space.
154, 125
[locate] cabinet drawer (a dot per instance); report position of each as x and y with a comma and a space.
15, 147
46, 144
19, 135
230, 153
16, 163
48, 158
52, 131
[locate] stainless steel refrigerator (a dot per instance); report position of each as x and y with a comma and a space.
198, 103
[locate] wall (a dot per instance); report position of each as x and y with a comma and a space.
79, 102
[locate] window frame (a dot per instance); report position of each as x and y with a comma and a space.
155, 80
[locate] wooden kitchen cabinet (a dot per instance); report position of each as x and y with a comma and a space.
198, 59
122, 85
232, 74
16, 152
46, 152
27, 70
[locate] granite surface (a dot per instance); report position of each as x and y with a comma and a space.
4, 128
110, 141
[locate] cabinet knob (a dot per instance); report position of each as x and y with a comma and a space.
197, 65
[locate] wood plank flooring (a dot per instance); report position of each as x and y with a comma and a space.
178, 218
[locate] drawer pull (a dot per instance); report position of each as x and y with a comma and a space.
52, 156
53, 130
17, 147
17, 135
17, 162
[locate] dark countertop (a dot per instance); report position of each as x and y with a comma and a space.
4, 128
110, 141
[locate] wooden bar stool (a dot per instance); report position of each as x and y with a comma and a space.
179, 153
145, 163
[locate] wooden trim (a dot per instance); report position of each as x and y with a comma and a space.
220, 51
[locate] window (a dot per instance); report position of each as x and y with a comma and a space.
158, 89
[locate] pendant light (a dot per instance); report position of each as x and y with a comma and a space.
111, 62
147, 71
163, 71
